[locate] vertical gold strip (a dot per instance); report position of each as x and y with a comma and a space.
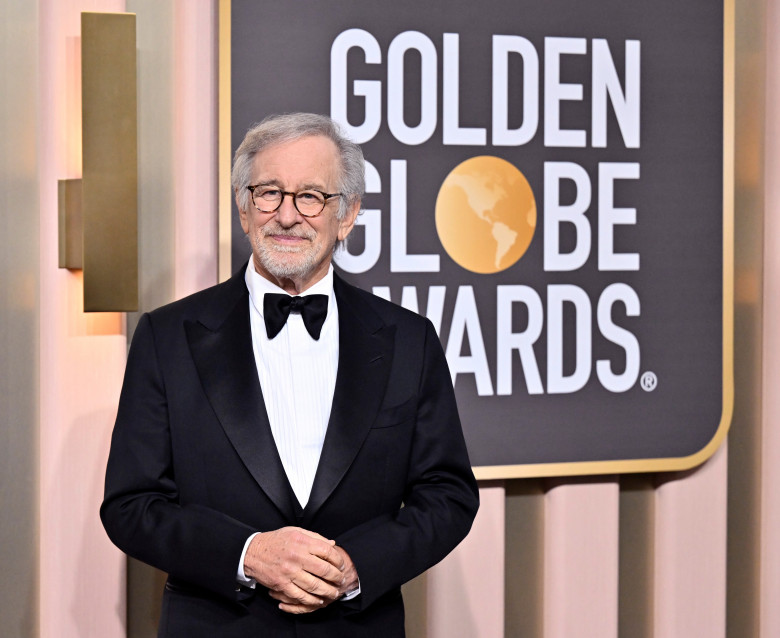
224, 197
415, 594
25, 167
636, 540
728, 210
71, 226
110, 161
524, 559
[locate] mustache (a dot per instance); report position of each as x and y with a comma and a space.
276, 229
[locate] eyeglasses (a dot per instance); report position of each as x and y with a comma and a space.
309, 203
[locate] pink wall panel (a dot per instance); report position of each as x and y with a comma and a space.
195, 144
581, 559
690, 552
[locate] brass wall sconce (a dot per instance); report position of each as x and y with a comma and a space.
98, 214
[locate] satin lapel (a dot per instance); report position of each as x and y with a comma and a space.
365, 359
221, 348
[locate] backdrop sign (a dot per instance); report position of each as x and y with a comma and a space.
545, 184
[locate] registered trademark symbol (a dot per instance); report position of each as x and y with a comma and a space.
648, 381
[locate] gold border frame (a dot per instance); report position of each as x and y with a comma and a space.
575, 468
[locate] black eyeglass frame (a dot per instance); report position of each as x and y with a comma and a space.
326, 198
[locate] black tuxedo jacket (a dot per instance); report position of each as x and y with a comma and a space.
194, 469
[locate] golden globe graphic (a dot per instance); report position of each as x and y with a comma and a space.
485, 214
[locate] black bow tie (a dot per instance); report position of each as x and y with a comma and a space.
277, 307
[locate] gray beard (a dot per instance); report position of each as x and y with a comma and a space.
273, 261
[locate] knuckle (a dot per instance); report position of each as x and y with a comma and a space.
297, 535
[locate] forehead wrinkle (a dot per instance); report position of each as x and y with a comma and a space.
313, 186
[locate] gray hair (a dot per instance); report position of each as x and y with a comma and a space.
279, 129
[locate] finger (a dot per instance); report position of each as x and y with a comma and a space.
330, 554
297, 609
316, 586
306, 543
323, 548
322, 570
292, 606
293, 594
284, 598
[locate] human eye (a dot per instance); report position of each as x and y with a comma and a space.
310, 197
269, 193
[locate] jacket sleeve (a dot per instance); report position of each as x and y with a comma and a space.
441, 497
141, 511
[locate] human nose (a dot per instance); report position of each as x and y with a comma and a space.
287, 213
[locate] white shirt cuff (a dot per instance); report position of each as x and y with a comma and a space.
352, 594
241, 577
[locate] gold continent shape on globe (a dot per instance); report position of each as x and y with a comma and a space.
485, 214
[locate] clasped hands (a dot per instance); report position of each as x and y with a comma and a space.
302, 570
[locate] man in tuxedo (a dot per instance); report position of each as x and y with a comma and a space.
287, 447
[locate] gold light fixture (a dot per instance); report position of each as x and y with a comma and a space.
98, 222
